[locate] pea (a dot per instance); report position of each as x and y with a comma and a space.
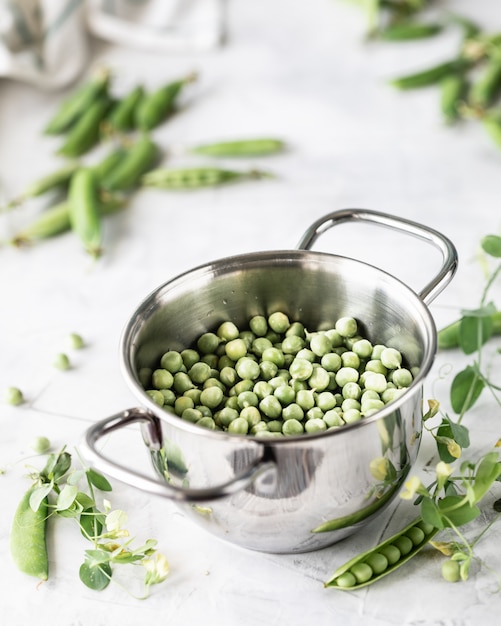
402, 377
296, 328
375, 365
378, 562
285, 394
292, 427
190, 357
301, 369
362, 572
271, 407
252, 415
191, 414
451, 571
351, 391
278, 322
247, 368
239, 426
305, 398
172, 361
258, 325
391, 358
326, 400
362, 348
227, 331
346, 580
182, 403
28, 537
162, 379
331, 362
274, 355
260, 344
320, 344
169, 397
315, 425
346, 326
14, 396
347, 375
351, 416
404, 544
292, 411
227, 415
292, 344
350, 359
206, 422
319, 379
275, 426
416, 535
156, 396
241, 386
236, 348
207, 343
333, 419
62, 361
375, 382
392, 553
247, 398
211, 397
262, 389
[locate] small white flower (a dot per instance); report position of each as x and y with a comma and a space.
411, 488
157, 569
116, 520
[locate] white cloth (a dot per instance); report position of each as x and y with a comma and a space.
46, 42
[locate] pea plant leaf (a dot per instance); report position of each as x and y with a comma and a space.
455, 510
466, 389
96, 577
488, 471
98, 480
66, 497
38, 495
452, 431
91, 523
431, 514
491, 245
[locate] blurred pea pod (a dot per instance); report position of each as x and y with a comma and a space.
86, 132
410, 30
85, 217
485, 90
241, 148
60, 178
432, 75
78, 102
448, 337
196, 178
108, 163
123, 114
140, 157
492, 125
453, 89
56, 220
155, 107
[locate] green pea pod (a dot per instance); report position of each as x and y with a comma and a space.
452, 92
109, 163
430, 76
138, 159
448, 337
85, 218
492, 125
154, 108
484, 91
78, 103
470, 28
122, 116
405, 31
241, 148
60, 178
369, 567
28, 538
56, 220
196, 178
86, 132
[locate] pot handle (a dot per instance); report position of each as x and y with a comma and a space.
152, 427
446, 247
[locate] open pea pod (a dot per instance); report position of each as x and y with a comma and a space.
372, 565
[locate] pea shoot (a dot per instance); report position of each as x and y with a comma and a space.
65, 490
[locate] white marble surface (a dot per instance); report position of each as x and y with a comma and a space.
299, 71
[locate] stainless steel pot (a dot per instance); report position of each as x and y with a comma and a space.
293, 494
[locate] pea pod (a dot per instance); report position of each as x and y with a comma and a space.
409, 30
122, 116
448, 337
78, 103
154, 108
383, 559
138, 159
86, 132
484, 91
240, 148
56, 220
430, 76
195, 178
492, 126
85, 218
56, 179
452, 91
104, 167
28, 538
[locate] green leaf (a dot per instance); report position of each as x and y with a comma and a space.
460, 434
66, 497
460, 515
63, 464
474, 332
75, 477
39, 494
488, 471
95, 577
491, 244
96, 557
84, 500
465, 389
91, 523
98, 480
431, 514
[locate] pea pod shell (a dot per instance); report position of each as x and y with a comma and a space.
195, 178
240, 148
85, 134
28, 538
85, 218
485, 89
78, 102
361, 558
155, 107
410, 30
448, 336
429, 76
452, 92
138, 159
492, 126
122, 116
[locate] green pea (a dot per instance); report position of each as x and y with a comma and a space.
228, 376
362, 348
258, 325
14, 396
305, 398
292, 344
285, 394
320, 344
122, 116
139, 158
346, 326
239, 426
190, 414
182, 403
206, 422
293, 411
350, 359
247, 398
404, 544
333, 419
40, 445
155, 107
375, 382
301, 369
326, 400
402, 377
274, 355
84, 213
260, 344
190, 357
391, 358
431, 75
259, 428
278, 322
292, 427
86, 131
208, 343
162, 379
315, 425
268, 370
211, 397
270, 406
252, 415
375, 365
156, 395
351, 416
227, 331
228, 415
362, 572
241, 386
296, 328
347, 375
378, 562
62, 362
392, 553
346, 580
262, 389
169, 397
236, 349
247, 368
351, 391
350, 403
275, 426
232, 403
451, 571
182, 382
416, 535
241, 148
331, 362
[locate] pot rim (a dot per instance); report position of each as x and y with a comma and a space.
243, 261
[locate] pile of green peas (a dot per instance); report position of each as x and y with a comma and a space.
380, 561
275, 378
